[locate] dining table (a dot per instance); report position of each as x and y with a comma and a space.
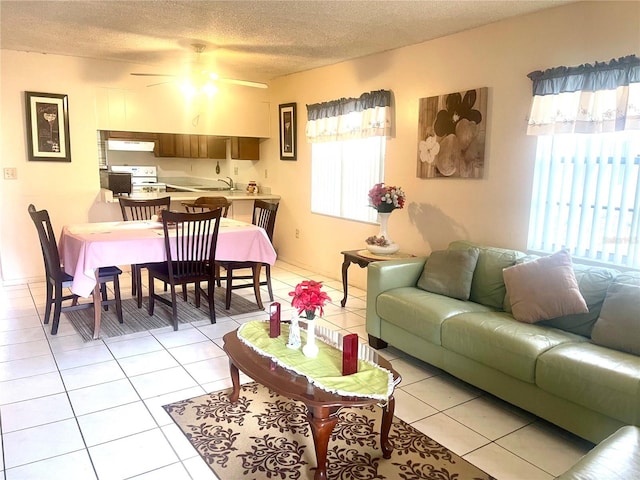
86, 247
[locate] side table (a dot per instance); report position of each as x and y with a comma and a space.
363, 258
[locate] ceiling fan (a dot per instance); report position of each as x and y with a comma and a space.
202, 78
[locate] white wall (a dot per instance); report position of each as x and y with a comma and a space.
493, 210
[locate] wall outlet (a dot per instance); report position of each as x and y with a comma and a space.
265, 173
297, 233
11, 173
235, 170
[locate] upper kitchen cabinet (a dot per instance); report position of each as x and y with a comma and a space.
196, 146
245, 148
237, 112
165, 145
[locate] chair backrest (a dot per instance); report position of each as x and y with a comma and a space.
47, 241
190, 242
202, 204
142, 209
264, 215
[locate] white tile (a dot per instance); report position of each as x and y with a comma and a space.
442, 392
102, 396
490, 417
44, 441
219, 329
412, 370
71, 466
451, 434
30, 387
22, 336
147, 362
410, 408
210, 370
175, 471
19, 323
134, 346
61, 343
163, 381
345, 319
24, 350
154, 404
116, 422
504, 465
82, 356
181, 337
549, 448
38, 411
196, 352
88, 375
179, 441
27, 367
133, 455
199, 469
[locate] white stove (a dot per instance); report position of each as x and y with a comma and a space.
143, 178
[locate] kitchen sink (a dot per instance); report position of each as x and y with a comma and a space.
212, 189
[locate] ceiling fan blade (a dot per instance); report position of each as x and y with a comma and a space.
153, 75
161, 83
245, 83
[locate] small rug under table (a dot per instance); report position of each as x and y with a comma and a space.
266, 436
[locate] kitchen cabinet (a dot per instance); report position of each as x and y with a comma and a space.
216, 147
199, 146
140, 136
245, 148
166, 145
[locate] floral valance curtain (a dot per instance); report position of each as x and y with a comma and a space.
349, 118
599, 98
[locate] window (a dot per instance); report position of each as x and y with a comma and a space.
586, 196
348, 140
342, 173
586, 191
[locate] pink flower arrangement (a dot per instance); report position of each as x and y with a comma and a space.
385, 199
307, 297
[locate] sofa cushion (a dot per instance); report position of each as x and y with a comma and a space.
618, 326
449, 272
496, 340
487, 286
595, 377
593, 283
543, 289
420, 312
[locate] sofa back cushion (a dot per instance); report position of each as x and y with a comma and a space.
618, 326
487, 286
449, 272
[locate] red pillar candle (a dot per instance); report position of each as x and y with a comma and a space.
350, 354
274, 320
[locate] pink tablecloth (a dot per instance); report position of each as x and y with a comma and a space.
85, 247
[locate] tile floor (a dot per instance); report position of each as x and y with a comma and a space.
71, 409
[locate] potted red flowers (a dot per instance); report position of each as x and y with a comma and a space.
308, 297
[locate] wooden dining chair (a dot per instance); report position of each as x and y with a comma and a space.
57, 280
190, 242
264, 215
134, 209
202, 204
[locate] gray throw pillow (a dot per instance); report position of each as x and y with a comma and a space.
618, 326
449, 272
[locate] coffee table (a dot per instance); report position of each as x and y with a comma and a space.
322, 406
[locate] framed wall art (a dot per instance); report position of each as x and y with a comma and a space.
48, 127
451, 135
288, 139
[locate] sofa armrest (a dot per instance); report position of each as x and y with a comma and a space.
386, 275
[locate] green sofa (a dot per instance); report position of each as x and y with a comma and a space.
550, 368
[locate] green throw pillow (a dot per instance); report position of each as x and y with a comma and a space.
449, 272
618, 326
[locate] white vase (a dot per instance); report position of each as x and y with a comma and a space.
391, 247
311, 349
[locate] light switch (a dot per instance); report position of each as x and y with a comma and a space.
11, 173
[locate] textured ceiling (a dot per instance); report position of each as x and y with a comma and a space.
252, 40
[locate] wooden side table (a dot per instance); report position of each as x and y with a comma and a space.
363, 258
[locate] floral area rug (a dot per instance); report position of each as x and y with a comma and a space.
266, 436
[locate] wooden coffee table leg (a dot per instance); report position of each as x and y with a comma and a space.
345, 267
387, 419
322, 421
235, 379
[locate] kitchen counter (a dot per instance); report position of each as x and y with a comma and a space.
231, 195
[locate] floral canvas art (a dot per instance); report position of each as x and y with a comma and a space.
451, 135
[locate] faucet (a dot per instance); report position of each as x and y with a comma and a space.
229, 182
